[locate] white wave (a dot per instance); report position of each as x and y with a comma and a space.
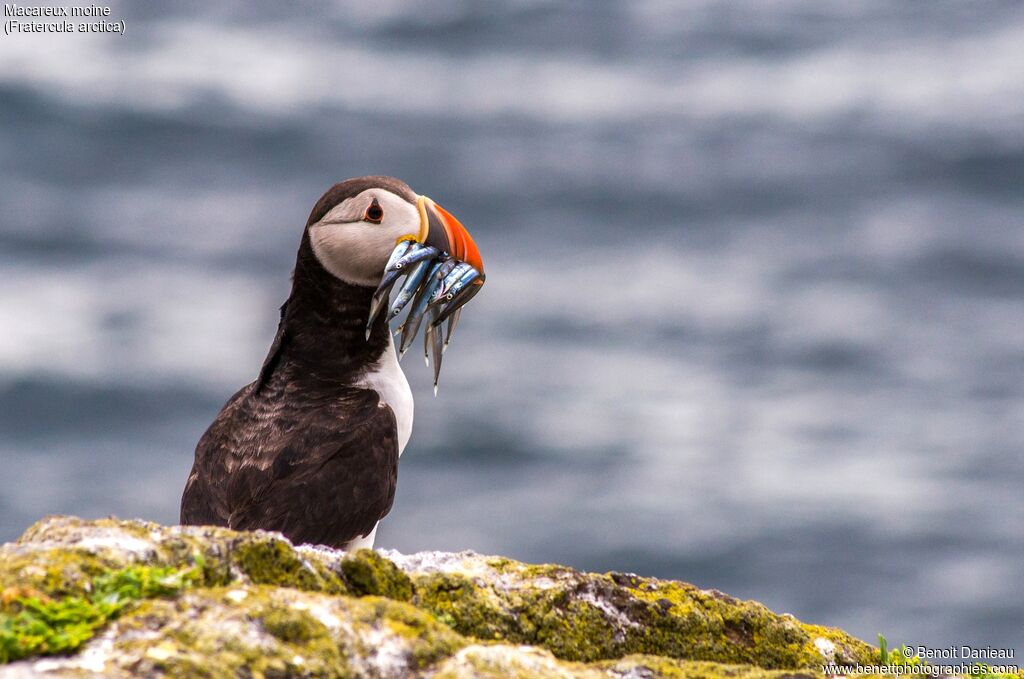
115, 321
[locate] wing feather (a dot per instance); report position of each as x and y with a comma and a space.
319, 472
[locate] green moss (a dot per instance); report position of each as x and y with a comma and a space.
32, 625
267, 560
368, 573
39, 627
145, 582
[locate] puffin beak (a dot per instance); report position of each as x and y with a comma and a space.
440, 229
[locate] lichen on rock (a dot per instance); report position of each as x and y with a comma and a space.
587, 616
254, 605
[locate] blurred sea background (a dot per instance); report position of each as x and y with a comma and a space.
755, 306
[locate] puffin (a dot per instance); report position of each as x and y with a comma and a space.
310, 448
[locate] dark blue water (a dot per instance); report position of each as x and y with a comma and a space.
755, 306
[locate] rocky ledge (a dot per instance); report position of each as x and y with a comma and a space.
127, 598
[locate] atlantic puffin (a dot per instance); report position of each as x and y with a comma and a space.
310, 448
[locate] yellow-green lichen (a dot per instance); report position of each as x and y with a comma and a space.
223, 632
563, 620
268, 560
708, 625
468, 608
254, 630
368, 573
588, 617
307, 637
292, 626
426, 639
529, 571
54, 571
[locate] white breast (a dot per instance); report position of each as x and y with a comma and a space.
387, 379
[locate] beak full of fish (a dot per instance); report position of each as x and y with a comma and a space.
434, 285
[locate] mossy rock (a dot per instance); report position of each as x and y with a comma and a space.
588, 616
368, 573
503, 661
262, 630
66, 551
254, 605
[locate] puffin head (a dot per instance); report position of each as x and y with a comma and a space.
356, 224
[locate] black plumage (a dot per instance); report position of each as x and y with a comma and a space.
301, 450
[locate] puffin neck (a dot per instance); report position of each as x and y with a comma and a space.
324, 324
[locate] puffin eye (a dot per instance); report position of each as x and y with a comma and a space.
374, 213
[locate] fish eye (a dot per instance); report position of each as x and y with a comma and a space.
374, 213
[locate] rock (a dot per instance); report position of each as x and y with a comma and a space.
129, 598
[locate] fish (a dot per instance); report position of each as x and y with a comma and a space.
419, 306
436, 286
409, 288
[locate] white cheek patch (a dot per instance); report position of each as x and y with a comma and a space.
350, 251
354, 250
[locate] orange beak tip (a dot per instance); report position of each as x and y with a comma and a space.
461, 245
